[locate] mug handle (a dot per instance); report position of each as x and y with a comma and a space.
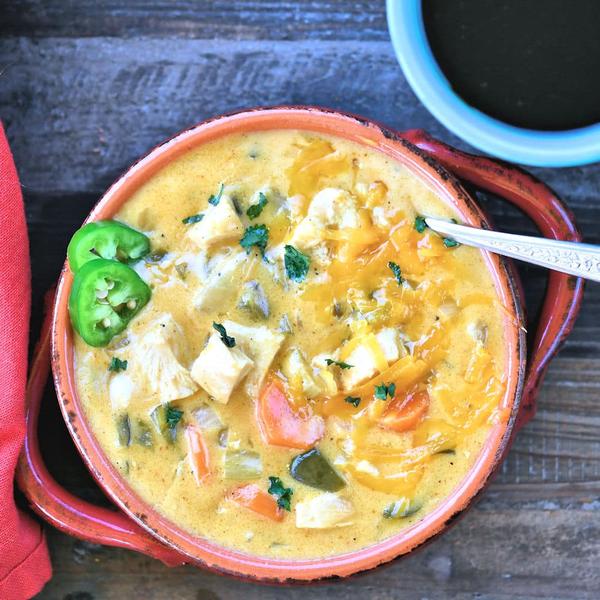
54, 503
554, 220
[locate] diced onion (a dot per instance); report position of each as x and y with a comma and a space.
242, 464
207, 418
324, 511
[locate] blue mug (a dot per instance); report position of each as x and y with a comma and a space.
515, 144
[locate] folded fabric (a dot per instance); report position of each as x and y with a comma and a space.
24, 562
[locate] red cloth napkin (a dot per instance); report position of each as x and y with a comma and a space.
24, 562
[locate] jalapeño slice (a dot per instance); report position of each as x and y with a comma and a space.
105, 296
106, 239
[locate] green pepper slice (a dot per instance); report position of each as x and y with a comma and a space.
402, 508
166, 418
105, 296
312, 468
124, 430
106, 239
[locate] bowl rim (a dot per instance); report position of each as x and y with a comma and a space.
210, 554
527, 146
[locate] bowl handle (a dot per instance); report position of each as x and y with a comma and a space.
554, 220
55, 504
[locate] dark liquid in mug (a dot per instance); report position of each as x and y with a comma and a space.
530, 63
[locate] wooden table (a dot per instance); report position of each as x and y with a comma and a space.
87, 87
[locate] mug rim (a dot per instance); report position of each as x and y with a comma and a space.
532, 147
210, 554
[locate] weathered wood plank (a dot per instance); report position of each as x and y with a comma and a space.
206, 19
489, 554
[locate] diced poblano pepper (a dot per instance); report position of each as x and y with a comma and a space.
313, 469
404, 507
166, 419
124, 430
254, 300
143, 434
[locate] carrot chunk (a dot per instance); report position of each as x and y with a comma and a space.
253, 498
404, 413
280, 425
197, 454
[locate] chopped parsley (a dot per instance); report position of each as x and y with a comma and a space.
296, 263
354, 400
338, 363
396, 271
283, 494
383, 391
420, 224
214, 200
255, 235
226, 339
193, 219
450, 243
254, 211
117, 365
173, 416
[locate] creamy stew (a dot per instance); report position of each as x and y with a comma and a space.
314, 369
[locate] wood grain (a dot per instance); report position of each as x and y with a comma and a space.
205, 19
81, 106
492, 554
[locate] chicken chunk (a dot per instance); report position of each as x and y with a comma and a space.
334, 206
364, 366
389, 341
219, 369
324, 511
156, 356
220, 224
299, 374
221, 284
370, 357
261, 345
329, 207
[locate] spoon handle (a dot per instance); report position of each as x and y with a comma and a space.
574, 258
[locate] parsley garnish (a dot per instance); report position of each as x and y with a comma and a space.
117, 365
193, 219
214, 200
354, 400
173, 416
255, 235
283, 494
450, 243
254, 211
338, 363
383, 391
296, 263
396, 271
420, 224
226, 339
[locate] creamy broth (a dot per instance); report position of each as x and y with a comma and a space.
418, 346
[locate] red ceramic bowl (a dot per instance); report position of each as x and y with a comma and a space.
137, 525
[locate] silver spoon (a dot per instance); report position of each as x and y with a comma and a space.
574, 258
